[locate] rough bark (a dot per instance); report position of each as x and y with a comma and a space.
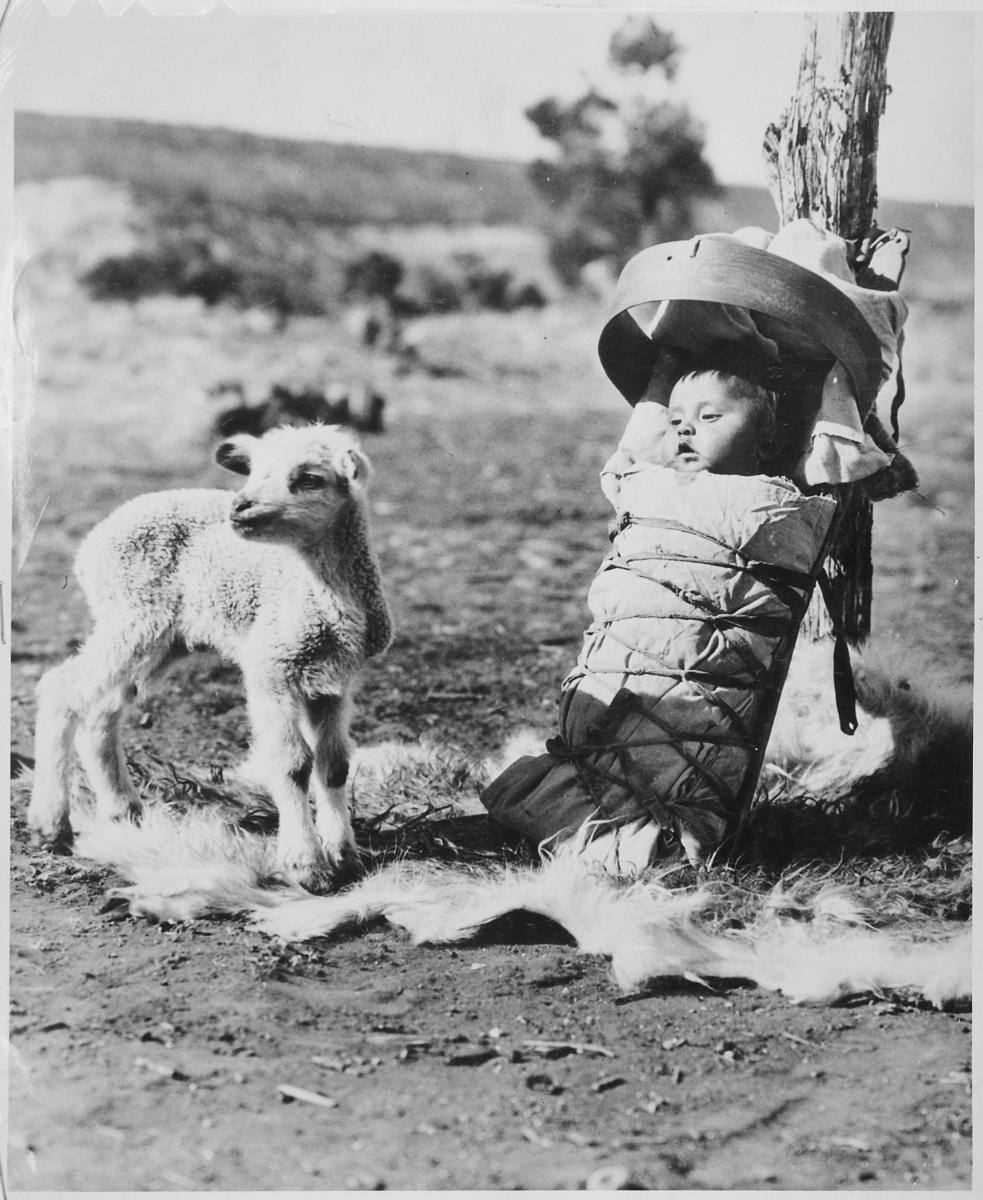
822, 157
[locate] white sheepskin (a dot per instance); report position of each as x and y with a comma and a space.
906, 709
184, 867
194, 866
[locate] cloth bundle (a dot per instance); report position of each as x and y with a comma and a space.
695, 613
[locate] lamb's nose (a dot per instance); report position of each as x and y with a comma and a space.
241, 503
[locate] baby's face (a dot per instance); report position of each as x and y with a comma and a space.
710, 430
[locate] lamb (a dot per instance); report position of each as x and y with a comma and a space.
279, 578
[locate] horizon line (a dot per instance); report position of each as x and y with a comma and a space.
320, 139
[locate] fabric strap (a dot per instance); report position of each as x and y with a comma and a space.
844, 686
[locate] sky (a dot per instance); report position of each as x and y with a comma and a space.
460, 79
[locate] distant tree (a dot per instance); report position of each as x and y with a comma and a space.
639, 42
373, 275
624, 174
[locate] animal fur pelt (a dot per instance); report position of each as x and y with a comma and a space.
915, 727
184, 866
913, 730
194, 865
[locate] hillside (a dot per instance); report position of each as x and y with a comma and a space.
308, 185
321, 182
338, 183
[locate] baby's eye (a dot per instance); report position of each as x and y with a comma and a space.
709, 416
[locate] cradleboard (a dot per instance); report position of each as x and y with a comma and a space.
697, 606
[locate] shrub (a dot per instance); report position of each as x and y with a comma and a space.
429, 289
129, 276
375, 274
467, 282
483, 286
191, 266
201, 248
574, 244
527, 295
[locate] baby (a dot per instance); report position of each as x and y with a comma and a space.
720, 423
695, 609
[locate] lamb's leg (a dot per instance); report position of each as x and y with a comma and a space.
100, 748
85, 691
58, 716
281, 759
326, 729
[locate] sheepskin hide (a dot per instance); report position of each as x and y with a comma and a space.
194, 866
911, 730
915, 727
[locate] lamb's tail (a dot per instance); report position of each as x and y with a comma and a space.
195, 865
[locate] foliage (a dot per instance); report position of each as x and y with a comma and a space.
200, 248
375, 273
639, 42
465, 283
622, 175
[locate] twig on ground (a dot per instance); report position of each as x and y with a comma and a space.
289, 1093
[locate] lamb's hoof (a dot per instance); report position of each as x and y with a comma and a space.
317, 876
348, 868
55, 841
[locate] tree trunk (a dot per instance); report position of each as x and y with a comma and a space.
823, 163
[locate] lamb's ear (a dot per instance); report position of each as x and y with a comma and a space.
354, 469
235, 454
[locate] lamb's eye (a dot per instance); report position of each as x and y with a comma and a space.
710, 416
309, 482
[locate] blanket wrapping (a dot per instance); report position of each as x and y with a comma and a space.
695, 610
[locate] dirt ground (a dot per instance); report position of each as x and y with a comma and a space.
148, 1057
